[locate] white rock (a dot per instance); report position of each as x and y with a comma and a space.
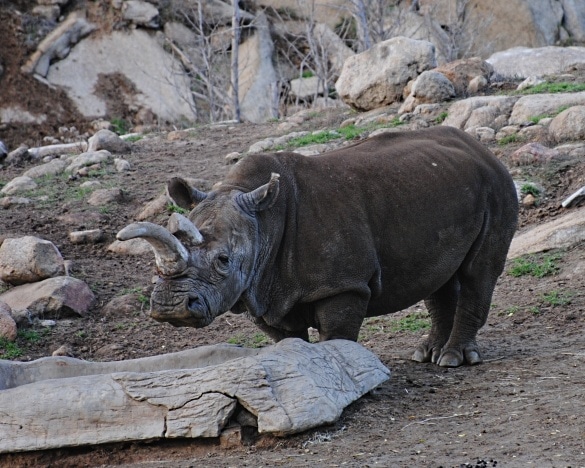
28, 259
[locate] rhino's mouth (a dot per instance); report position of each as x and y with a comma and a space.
193, 312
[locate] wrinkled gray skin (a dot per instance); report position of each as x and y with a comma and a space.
325, 241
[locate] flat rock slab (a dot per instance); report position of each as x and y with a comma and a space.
562, 232
289, 387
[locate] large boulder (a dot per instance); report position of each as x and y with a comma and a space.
59, 297
29, 259
523, 62
539, 105
569, 124
150, 79
430, 87
377, 77
257, 74
462, 72
480, 111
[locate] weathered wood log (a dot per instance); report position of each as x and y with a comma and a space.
289, 387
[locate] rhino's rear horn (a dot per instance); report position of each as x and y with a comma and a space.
171, 256
263, 197
179, 225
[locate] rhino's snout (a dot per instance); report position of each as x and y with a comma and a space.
190, 313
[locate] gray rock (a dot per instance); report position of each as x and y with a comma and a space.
57, 149
154, 207
159, 80
538, 105
53, 167
533, 153
29, 259
122, 165
479, 111
19, 184
9, 202
105, 196
569, 124
377, 77
18, 156
88, 159
562, 232
131, 247
306, 88
107, 140
141, 13
430, 87
91, 236
53, 298
522, 62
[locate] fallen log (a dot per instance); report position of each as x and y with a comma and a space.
289, 387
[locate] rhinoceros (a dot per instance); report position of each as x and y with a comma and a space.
325, 241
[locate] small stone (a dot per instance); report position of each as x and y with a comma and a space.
92, 236
105, 196
529, 200
63, 350
122, 165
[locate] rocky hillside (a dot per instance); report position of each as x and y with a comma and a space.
71, 67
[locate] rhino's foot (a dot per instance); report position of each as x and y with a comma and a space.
453, 357
426, 353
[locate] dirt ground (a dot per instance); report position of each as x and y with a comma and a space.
523, 407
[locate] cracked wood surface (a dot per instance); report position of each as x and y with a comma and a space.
289, 387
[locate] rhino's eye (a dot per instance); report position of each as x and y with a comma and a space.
222, 262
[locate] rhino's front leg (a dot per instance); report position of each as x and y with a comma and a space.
341, 316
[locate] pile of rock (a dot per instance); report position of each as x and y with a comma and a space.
41, 289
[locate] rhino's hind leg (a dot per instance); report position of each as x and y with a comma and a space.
471, 314
441, 306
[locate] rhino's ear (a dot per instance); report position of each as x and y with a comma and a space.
261, 198
183, 194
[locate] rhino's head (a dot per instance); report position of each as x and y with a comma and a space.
204, 262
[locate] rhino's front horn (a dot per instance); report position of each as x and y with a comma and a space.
171, 256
